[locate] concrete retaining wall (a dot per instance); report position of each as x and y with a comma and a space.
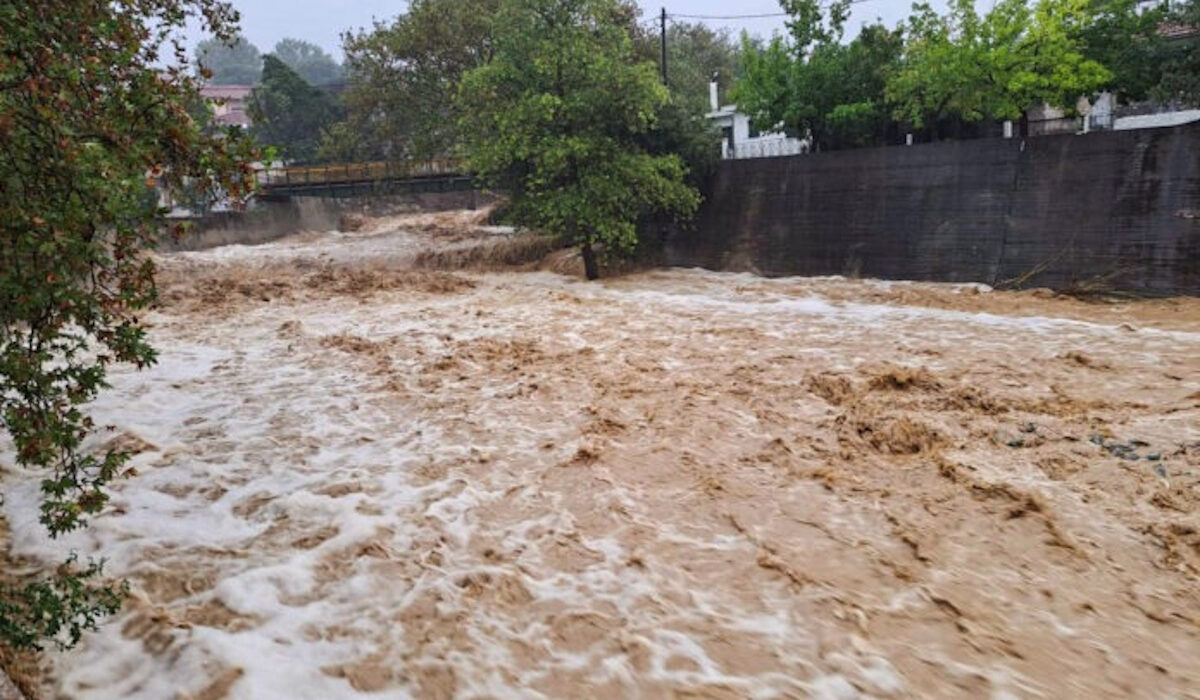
268, 220
1116, 208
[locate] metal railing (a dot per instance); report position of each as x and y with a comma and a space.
1060, 125
377, 171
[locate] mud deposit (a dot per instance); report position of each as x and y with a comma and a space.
359, 478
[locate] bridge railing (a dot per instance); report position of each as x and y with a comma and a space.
376, 171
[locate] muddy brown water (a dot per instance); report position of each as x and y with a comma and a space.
359, 478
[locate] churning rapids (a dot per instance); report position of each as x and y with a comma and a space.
359, 475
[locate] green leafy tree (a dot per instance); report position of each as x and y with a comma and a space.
695, 53
1123, 36
814, 23
813, 84
288, 113
764, 90
941, 66
310, 61
88, 112
1181, 69
232, 61
994, 66
402, 77
555, 119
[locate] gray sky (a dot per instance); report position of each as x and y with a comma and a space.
265, 22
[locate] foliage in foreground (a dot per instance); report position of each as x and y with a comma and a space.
89, 119
555, 119
60, 609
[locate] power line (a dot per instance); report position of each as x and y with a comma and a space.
762, 16
766, 15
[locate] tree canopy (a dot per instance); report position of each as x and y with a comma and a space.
1123, 36
958, 67
402, 77
694, 53
1181, 69
813, 84
996, 65
835, 92
310, 61
86, 129
555, 119
233, 61
289, 113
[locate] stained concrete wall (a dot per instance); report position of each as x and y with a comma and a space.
1116, 208
267, 220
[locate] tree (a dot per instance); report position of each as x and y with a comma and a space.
812, 84
995, 66
402, 78
310, 61
288, 113
82, 128
1181, 70
231, 62
694, 54
1123, 36
764, 90
554, 119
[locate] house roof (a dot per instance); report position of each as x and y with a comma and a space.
226, 92
724, 111
1175, 30
234, 117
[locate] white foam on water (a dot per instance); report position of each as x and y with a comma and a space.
298, 520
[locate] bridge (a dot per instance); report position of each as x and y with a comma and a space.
364, 179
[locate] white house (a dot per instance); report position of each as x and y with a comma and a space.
739, 139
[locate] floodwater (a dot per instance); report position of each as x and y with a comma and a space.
359, 478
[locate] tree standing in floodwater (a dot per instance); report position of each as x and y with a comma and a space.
554, 120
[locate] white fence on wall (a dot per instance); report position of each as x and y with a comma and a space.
767, 148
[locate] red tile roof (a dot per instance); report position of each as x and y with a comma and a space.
226, 92
234, 117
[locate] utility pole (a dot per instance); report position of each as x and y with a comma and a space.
663, 42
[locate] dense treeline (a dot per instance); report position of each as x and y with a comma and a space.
945, 74
950, 74
403, 75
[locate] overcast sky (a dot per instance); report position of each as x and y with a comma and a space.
265, 22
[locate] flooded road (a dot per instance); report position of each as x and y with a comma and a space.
359, 478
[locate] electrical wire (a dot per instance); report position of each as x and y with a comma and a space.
766, 15
762, 16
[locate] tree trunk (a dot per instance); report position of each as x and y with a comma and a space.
589, 262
